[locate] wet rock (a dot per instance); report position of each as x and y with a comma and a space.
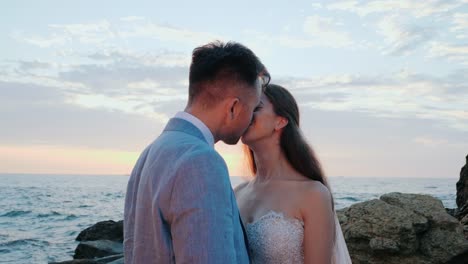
402, 228
97, 249
105, 230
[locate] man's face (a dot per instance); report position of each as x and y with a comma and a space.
248, 102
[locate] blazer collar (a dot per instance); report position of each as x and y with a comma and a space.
181, 125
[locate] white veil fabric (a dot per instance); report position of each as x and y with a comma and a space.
340, 254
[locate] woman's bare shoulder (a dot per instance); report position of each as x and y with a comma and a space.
310, 187
314, 194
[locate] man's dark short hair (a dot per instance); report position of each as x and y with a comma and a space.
218, 62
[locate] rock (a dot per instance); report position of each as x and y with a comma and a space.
77, 261
464, 220
105, 230
441, 245
452, 211
401, 228
97, 249
118, 261
110, 259
104, 260
459, 259
462, 186
425, 205
462, 212
384, 245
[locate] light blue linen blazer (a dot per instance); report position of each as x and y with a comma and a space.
179, 205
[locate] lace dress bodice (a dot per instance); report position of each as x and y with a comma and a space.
274, 238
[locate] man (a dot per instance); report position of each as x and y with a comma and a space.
180, 207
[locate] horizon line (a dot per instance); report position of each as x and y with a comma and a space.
242, 176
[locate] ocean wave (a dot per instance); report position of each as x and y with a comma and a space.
25, 242
15, 213
72, 233
119, 195
349, 198
71, 217
53, 213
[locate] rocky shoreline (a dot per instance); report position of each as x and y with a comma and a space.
99, 243
396, 228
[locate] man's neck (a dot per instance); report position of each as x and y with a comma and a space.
208, 118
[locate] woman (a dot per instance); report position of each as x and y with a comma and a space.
287, 207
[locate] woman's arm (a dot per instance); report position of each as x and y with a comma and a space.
319, 225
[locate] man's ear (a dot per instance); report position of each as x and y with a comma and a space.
234, 108
281, 122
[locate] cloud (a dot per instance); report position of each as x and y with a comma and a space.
408, 95
92, 33
113, 79
87, 33
39, 115
351, 143
430, 142
460, 25
324, 31
151, 30
118, 82
35, 64
451, 52
414, 8
407, 25
41, 41
132, 18
141, 83
105, 33
401, 38
317, 31
162, 58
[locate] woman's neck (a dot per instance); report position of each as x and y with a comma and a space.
271, 162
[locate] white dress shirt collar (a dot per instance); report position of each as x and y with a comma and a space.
199, 124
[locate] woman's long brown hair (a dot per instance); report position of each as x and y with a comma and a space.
293, 144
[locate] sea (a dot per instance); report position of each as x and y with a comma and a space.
41, 215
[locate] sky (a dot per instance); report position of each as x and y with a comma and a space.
382, 86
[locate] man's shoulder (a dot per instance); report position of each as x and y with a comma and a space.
184, 144
186, 148
201, 157
180, 139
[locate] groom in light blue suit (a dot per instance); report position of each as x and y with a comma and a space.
179, 206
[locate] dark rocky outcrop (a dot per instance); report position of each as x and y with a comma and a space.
402, 228
100, 243
461, 212
113, 259
97, 249
105, 230
462, 186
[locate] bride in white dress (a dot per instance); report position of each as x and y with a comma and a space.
287, 208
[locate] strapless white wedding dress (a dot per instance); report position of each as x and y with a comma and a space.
275, 238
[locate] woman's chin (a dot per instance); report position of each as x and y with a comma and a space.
245, 139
